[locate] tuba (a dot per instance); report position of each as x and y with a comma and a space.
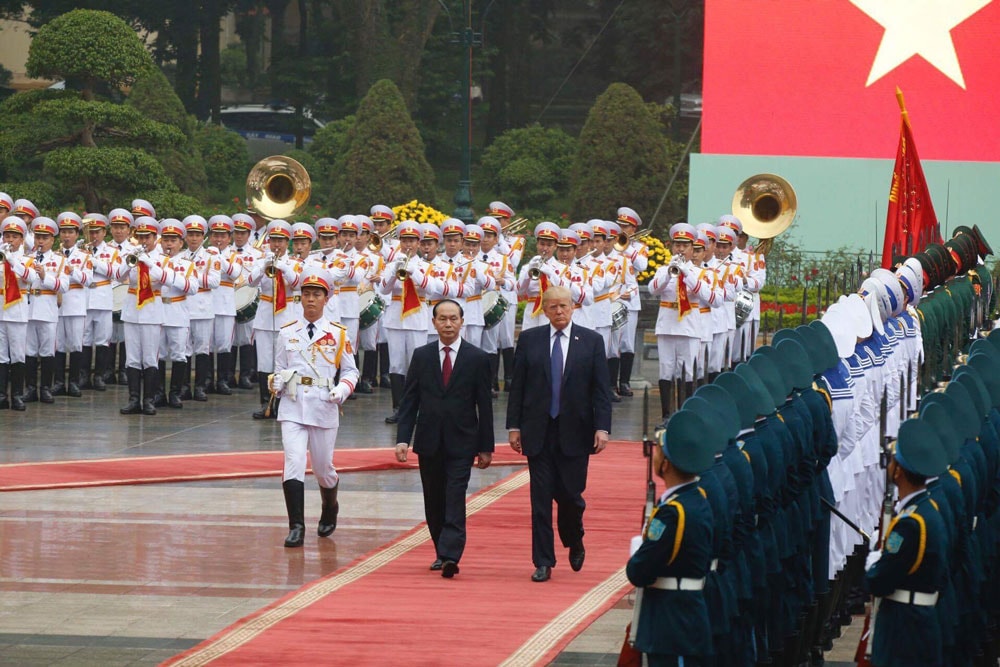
278, 187
766, 205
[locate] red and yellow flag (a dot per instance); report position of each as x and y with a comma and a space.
144, 294
11, 290
543, 284
280, 296
683, 302
411, 300
910, 224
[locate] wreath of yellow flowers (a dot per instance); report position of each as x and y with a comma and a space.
658, 254
415, 210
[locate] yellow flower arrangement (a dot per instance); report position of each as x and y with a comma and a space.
659, 255
414, 210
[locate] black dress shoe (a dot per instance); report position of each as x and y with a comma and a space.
296, 536
437, 564
222, 387
542, 573
31, 395
99, 383
449, 569
199, 393
625, 390
45, 395
576, 555
244, 382
393, 418
364, 387
384, 382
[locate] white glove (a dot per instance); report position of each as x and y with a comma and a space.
277, 383
634, 545
873, 557
547, 269
147, 260
535, 262
339, 394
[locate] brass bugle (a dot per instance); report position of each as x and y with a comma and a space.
402, 273
133, 257
269, 265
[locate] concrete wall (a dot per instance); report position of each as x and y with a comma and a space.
842, 202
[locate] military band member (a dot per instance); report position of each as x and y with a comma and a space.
72, 309
672, 559
303, 236
6, 205
224, 300
636, 257
353, 265
142, 313
243, 227
312, 352
200, 304
382, 218
27, 212
588, 258
429, 249
120, 222
385, 252
371, 337
16, 275
568, 274
495, 342
100, 302
474, 280
532, 281
715, 301
749, 278
511, 246
180, 282
48, 283
407, 314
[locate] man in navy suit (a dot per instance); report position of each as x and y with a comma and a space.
558, 414
447, 400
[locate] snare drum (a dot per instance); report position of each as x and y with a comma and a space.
372, 307
118, 295
494, 308
619, 315
247, 299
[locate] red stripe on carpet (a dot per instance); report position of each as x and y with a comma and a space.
387, 608
189, 467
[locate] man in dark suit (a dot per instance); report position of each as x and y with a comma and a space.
446, 399
558, 414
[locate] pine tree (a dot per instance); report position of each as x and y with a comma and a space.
623, 158
384, 161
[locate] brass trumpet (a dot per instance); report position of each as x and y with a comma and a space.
376, 240
401, 272
533, 272
133, 257
623, 240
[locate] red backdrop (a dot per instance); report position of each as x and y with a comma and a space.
787, 77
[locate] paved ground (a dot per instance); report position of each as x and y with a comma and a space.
135, 574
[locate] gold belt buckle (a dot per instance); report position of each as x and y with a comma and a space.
307, 381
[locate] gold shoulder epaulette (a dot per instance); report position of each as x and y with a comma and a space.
285, 326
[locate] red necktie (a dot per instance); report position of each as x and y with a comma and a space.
446, 367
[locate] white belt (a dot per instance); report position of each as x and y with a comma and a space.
715, 565
913, 597
307, 381
678, 584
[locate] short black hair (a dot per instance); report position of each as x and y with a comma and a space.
913, 478
434, 310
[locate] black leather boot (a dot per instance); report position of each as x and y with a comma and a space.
150, 381
85, 368
202, 369
178, 375
160, 393
101, 355
665, 386
508, 366
295, 499
628, 358
58, 385
4, 376
368, 373
17, 386
75, 371
134, 406
494, 369
231, 368
396, 385
31, 380
613, 363
47, 368
122, 359
383, 363
246, 367
186, 394
265, 396
225, 367
328, 519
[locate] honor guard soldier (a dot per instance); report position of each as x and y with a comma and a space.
495, 339
243, 227
312, 354
429, 248
100, 302
72, 308
512, 246
911, 569
672, 559
532, 281
382, 218
16, 275
277, 276
181, 281
636, 259
200, 304
220, 228
142, 313
568, 274
407, 280
48, 284
475, 280
120, 222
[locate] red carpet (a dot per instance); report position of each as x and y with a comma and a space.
186, 467
386, 608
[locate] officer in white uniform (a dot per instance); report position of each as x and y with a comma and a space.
100, 301
247, 253
200, 306
182, 284
636, 258
15, 282
277, 276
120, 222
311, 353
407, 313
494, 338
49, 281
220, 228
532, 281
474, 278
72, 309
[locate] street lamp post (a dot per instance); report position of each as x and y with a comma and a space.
463, 194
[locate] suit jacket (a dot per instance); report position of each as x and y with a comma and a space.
585, 396
457, 418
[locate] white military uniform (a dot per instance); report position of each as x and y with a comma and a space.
142, 324
678, 337
406, 333
374, 265
15, 276
269, 319
117, 325
73, 309
100, 296
309, 411
201, 304
503, 270
43, 314
180, 281
230, 268
247, 256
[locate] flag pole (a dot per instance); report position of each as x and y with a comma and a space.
902, 106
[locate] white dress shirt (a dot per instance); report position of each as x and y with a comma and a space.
454, 351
